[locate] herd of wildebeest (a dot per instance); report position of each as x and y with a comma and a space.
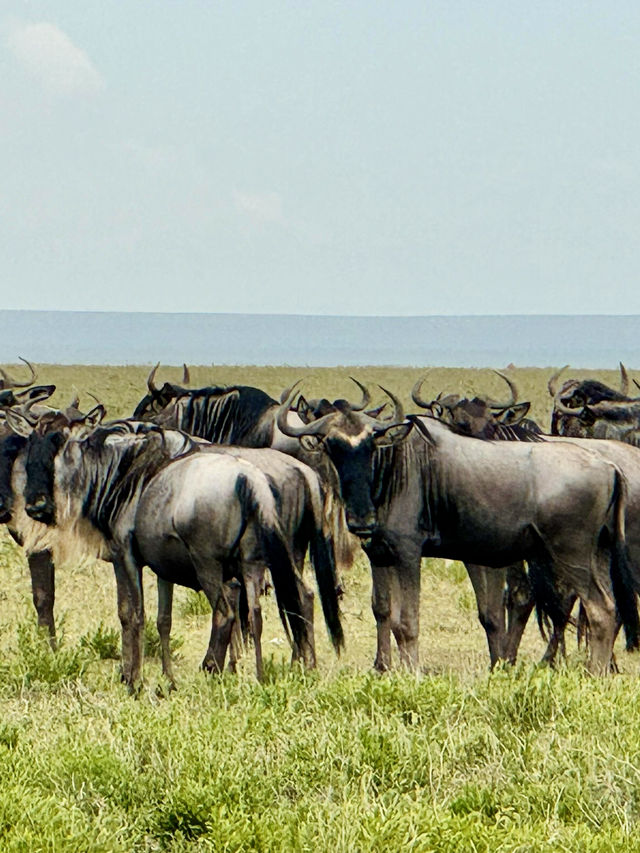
214, 487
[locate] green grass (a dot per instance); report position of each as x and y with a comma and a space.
450, 759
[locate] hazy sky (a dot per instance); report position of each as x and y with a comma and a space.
352, 157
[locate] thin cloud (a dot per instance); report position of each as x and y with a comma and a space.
49, 55
262, 207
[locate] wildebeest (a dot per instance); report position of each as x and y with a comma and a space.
311, 518
590, 409
195, 520
41, 567
417, 489
505, 419
8, 383
245, 417
239, 415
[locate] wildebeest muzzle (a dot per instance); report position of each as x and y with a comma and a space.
41, 509
361, 525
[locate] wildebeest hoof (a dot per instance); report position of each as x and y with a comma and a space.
165, 688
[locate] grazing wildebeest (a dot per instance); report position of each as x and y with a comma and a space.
418, 489
196, 520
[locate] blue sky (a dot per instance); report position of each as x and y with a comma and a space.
333, 158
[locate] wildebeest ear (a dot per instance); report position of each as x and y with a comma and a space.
392, 435
514, 414
18, 423
375, 413
36, 394
95, 416
311, 443
303, 410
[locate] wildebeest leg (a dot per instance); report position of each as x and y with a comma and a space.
488, 586
254, 575
210, 577
223, 621
381, 596
226, 632
601, 614
163, 623
519, 607
131, 613
42, 572
406, 630
554, 601
237, 597
308, 653
556, 644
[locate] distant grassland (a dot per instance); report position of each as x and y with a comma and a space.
120, 388
449, 759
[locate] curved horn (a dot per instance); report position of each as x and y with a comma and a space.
398, 414
8, 382
417, 397
366, 397
494, 404
624, 380
312, 428
289, 392
552, 384
151, 380
186, 379
93, 397
26, 407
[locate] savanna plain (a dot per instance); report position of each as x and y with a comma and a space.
452, 758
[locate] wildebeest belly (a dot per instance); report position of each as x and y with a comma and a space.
168, 557
485, 548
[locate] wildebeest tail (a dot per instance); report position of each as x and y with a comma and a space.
551, 606
323, 562
624, 591
277, 557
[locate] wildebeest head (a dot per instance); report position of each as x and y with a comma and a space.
10, 445
7, 381
590, 409
43, 442
349, 436
159, 398
9, 399
480, 417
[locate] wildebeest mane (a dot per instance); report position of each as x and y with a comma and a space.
393, 465
494, 432
395, 468
513, 432
117, 471
590, 391
227, 415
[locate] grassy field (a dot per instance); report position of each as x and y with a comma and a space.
450, 759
